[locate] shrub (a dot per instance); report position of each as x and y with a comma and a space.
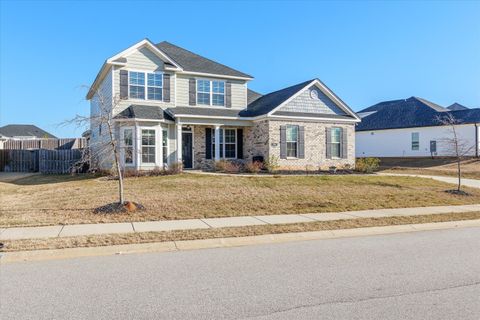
271, 164
174, 168
220, 165
367, 165
253, 167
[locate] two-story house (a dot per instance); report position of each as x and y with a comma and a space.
172, 105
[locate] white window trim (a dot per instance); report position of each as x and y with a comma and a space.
145, 86
155, 146
286, 141
223, 144
211, 92
167, 129
122, 144
332, 143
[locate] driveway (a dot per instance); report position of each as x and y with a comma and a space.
421, 275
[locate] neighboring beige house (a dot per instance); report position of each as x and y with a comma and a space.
172, 105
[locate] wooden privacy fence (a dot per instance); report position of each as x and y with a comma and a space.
50, 144
44, 161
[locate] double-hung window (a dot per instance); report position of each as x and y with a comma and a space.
128, 146
292, 141
228, 143
415, 141
336, 142
148, 146
153, 86
136, 81
210, 92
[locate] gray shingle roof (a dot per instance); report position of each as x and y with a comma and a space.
252, 96
24, 130
193, 62
456, 106
202, 112
144, 112
410, 113
268, 102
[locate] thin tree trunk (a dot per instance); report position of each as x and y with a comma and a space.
117, 162
457, 153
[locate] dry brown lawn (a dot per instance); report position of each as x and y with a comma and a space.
149, 237
427, 166
47, 200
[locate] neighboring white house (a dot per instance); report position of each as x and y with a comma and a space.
171, 105
410, 128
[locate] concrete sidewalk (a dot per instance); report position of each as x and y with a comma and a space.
472, 183
211, 223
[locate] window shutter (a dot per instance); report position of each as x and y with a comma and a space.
283, 142
301, 142
192, 91
166, 87
208, 143
328, 140
240, 143
123, 84
228, 94
344, 147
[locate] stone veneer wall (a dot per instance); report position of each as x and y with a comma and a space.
315, 145
255, 141
199, 149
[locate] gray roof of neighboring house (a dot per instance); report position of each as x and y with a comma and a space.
193, 62
24, 130
410, 113
456, 106
201, 111
252, 96
144, 112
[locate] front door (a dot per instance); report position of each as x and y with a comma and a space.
187, 152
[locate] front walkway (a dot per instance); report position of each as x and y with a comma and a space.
472, 183
211, 223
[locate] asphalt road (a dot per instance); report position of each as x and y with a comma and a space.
422, 275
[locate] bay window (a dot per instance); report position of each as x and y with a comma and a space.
148, 146
128, 146
165, 146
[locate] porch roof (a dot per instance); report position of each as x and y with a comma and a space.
144, 112
204, 112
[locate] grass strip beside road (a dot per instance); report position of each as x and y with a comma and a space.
149, 237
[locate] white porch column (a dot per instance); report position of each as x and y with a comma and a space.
217, 142
137, 147
179, 142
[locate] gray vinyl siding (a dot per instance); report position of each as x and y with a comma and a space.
239, 92
105, 92
305, 104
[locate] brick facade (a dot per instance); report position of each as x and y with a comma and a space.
263, 139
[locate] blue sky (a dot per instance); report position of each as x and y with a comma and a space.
366, 52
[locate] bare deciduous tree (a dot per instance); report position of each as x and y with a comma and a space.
106, 146
455, 145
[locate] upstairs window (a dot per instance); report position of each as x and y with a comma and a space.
415, 141
138, 86
210, 92
292, 141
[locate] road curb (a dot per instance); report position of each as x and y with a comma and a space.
185, 245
